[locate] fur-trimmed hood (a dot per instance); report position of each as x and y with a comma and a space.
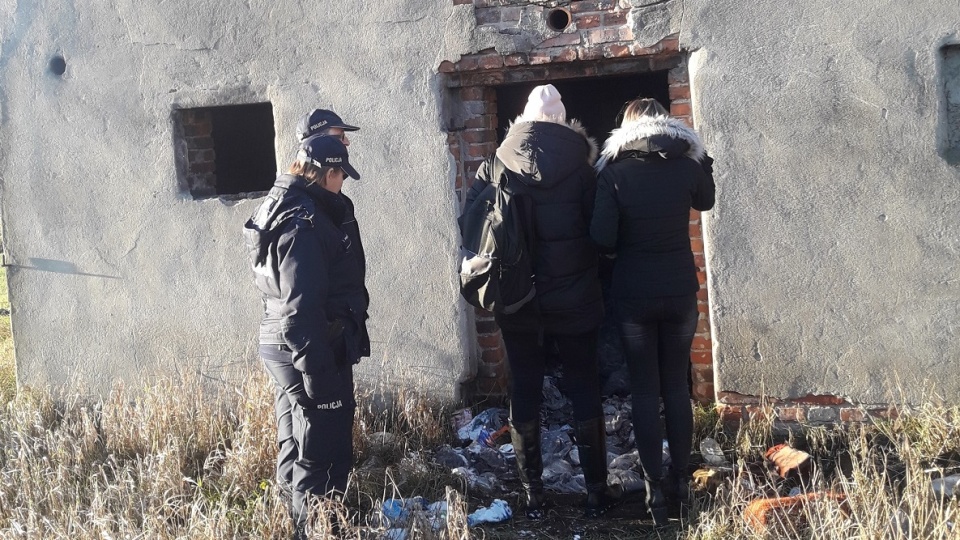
663, 135
544, 152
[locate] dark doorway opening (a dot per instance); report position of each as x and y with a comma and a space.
596, 102
243, 138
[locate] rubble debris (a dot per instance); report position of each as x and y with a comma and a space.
395, 534
461, 418
485, 459
712, 453
494, 438
761, 514
556, 444
790, 462
486, 482
398, 514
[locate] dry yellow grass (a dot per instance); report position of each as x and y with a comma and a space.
8, 381
183, 460
884, 470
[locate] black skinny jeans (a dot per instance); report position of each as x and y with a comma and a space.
527, 360
657, 334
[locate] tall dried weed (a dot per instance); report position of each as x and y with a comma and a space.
882, 469
187, 459
184, 459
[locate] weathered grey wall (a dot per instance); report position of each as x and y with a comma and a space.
117, 274
834, 249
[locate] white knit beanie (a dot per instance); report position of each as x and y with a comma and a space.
544, 104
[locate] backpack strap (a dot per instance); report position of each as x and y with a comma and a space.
503, 177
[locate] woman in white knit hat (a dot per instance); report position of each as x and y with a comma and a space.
549, 159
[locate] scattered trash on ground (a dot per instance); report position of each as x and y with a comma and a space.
498, 512
485, 458
946, 487
490, 419
709, 479
397, 512
398, 515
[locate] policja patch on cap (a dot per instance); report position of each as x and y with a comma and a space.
319, 120
325, 151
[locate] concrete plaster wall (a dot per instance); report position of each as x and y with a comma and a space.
116, 273
832, 252
834, 248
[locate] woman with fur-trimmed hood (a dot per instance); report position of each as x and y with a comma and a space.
652, 171
550, 160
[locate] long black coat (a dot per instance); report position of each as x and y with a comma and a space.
652, 173
553, 163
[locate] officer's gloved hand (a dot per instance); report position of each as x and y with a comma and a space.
326, 389
327, 377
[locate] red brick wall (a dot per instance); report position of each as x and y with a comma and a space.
701, 354
598, 42
194, 129
471, 143
735, 407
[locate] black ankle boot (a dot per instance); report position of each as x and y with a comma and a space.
682, 497
525, 437
592, 445
676, 489
656, 502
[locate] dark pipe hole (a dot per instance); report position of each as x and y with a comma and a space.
58, 66
558, 19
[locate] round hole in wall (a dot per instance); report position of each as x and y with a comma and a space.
57, 65
558, 19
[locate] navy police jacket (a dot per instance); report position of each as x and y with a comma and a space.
308, 264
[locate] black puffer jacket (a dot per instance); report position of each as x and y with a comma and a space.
553, 165
652, 172
309, 268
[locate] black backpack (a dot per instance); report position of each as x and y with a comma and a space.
497, 254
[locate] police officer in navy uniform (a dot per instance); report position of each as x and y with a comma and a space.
309, 271
328, 123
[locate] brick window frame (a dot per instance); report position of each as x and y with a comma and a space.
592, 51
203, 136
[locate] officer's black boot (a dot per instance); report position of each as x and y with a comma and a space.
299, 509
592, 445
526, 443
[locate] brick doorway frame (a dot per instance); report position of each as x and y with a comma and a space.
471, 119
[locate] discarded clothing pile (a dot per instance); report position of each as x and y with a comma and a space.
485, 457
